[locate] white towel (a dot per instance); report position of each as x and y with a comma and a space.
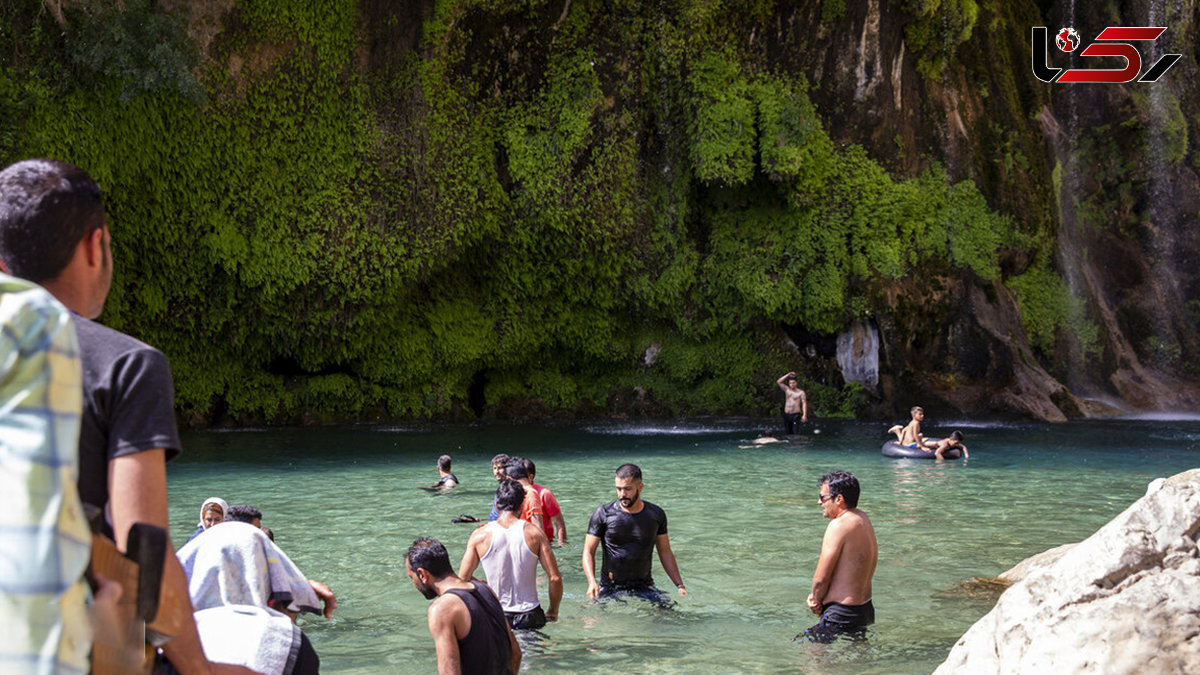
258, 638
236, 564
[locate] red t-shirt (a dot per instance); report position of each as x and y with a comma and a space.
532, 506
550, 509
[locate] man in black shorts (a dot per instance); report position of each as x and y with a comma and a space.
841, 585
631, 529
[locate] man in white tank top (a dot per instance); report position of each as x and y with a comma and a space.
510, 549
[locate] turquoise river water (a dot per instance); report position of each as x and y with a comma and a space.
345, 503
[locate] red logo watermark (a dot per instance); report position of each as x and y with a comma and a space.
1112, 41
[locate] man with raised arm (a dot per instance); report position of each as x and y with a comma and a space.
841, 585
510, 549
795, 403
631, 529
54, 232
469, 630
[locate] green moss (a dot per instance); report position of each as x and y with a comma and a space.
832, 11
1048, 308
937, 29
334, 231
722, 125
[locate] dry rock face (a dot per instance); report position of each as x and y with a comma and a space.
1125, 600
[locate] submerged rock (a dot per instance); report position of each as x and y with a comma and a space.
1125, 600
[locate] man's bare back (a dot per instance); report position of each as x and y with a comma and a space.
910, 434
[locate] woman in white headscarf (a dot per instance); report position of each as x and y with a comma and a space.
212, 512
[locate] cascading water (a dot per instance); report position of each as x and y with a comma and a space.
858, 354
1162, 153
1071, 251
1115, 250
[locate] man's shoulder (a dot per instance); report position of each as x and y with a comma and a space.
607, 511
445, 606
652, 508
850, 520
99, 340
482, 532
532, 530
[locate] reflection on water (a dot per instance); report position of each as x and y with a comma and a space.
744, 523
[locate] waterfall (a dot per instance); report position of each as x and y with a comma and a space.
858, 354
1141, 329
1162, 217
1072, 238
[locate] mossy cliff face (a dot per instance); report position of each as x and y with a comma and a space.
520, 209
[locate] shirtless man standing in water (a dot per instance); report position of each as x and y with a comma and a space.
795, 403
841, 585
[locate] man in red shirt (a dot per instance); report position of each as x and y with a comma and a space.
553, 513
531, 509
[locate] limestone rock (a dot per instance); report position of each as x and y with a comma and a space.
1125, 600
1033, 563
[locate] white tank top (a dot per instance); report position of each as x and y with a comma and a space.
511, 568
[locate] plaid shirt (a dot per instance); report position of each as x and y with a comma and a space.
45, 542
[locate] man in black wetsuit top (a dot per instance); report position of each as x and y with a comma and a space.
446, 480
466, 620
630, 529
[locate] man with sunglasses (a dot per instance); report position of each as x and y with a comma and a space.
841, 585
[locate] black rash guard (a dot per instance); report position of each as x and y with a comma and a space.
628, 541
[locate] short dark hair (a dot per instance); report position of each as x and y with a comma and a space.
956, 435
46, 208
242, 513
842, 483
430, 555
629, 471
529, 467
444, 462
510, 495
515, 469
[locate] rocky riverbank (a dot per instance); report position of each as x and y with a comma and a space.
1125, 600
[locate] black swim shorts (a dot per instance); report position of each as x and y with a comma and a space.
531, 620
647, 592
839, 619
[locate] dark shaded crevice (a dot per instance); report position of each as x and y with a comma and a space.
475, 393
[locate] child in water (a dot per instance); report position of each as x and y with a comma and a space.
954, 441
910, 435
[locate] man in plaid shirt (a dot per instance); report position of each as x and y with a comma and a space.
44, 537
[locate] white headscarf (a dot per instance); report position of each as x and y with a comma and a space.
212, 500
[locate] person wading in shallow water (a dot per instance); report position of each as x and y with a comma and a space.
795, 403
510, 549
631, 530
468, 626
841, 585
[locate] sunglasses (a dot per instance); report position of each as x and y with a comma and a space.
824, 498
